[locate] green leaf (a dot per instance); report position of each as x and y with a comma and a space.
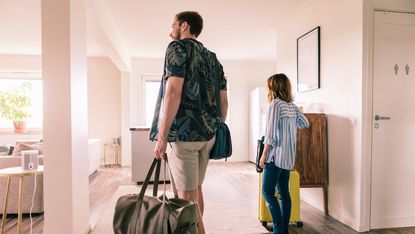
14, 103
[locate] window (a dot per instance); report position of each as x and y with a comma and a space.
10, 81
151, 85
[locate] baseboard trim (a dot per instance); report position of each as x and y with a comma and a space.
393, 222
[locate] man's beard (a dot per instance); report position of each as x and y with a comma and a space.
176, 35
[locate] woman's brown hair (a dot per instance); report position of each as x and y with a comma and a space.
279, 86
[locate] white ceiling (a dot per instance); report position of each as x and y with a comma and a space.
234, 29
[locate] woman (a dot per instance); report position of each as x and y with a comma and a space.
278, 156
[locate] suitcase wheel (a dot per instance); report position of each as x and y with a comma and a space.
300, 224
264, 223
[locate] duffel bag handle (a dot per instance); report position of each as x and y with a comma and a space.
155, 163
143, 190
173, 184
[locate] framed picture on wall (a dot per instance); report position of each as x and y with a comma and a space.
308, 61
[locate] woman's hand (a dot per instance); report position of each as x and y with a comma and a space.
262, 161
264, 156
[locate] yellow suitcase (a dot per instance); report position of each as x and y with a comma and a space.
264, 215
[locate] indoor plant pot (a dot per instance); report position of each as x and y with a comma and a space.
19, 126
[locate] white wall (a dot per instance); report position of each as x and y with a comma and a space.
104, 100
139, 67
243, 76
23, 63
125, 118
340, 95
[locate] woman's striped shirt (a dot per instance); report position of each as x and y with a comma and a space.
283, 119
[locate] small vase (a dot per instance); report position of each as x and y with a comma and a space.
19, 126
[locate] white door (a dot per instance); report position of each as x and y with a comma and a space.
393, 140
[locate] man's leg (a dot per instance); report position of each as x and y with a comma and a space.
200, 199
203, 162
188, 162
184, 165
193, 196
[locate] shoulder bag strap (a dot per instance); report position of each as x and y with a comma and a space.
217, 88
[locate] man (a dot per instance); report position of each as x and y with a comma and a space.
186, 112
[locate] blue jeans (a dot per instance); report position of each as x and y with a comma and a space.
274, 176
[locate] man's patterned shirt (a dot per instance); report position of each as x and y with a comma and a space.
198, 115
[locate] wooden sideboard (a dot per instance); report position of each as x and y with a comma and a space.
311, 156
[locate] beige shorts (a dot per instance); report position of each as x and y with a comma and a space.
188, 163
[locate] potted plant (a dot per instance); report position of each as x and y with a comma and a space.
13, 104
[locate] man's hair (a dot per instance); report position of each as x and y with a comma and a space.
279, 86
193, 19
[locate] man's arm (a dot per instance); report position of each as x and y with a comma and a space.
171, 105
224, 104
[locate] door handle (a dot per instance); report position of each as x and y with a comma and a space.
378, 117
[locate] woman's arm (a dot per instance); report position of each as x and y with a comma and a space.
270, 132
264, 155
271, 124
302, 121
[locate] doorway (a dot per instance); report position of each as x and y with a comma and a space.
393, 126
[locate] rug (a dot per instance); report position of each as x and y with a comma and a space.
221, 216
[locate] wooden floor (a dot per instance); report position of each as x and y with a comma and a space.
102, 185
231, 195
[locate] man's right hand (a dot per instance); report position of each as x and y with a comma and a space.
160, 148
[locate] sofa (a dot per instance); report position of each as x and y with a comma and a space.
28, 188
